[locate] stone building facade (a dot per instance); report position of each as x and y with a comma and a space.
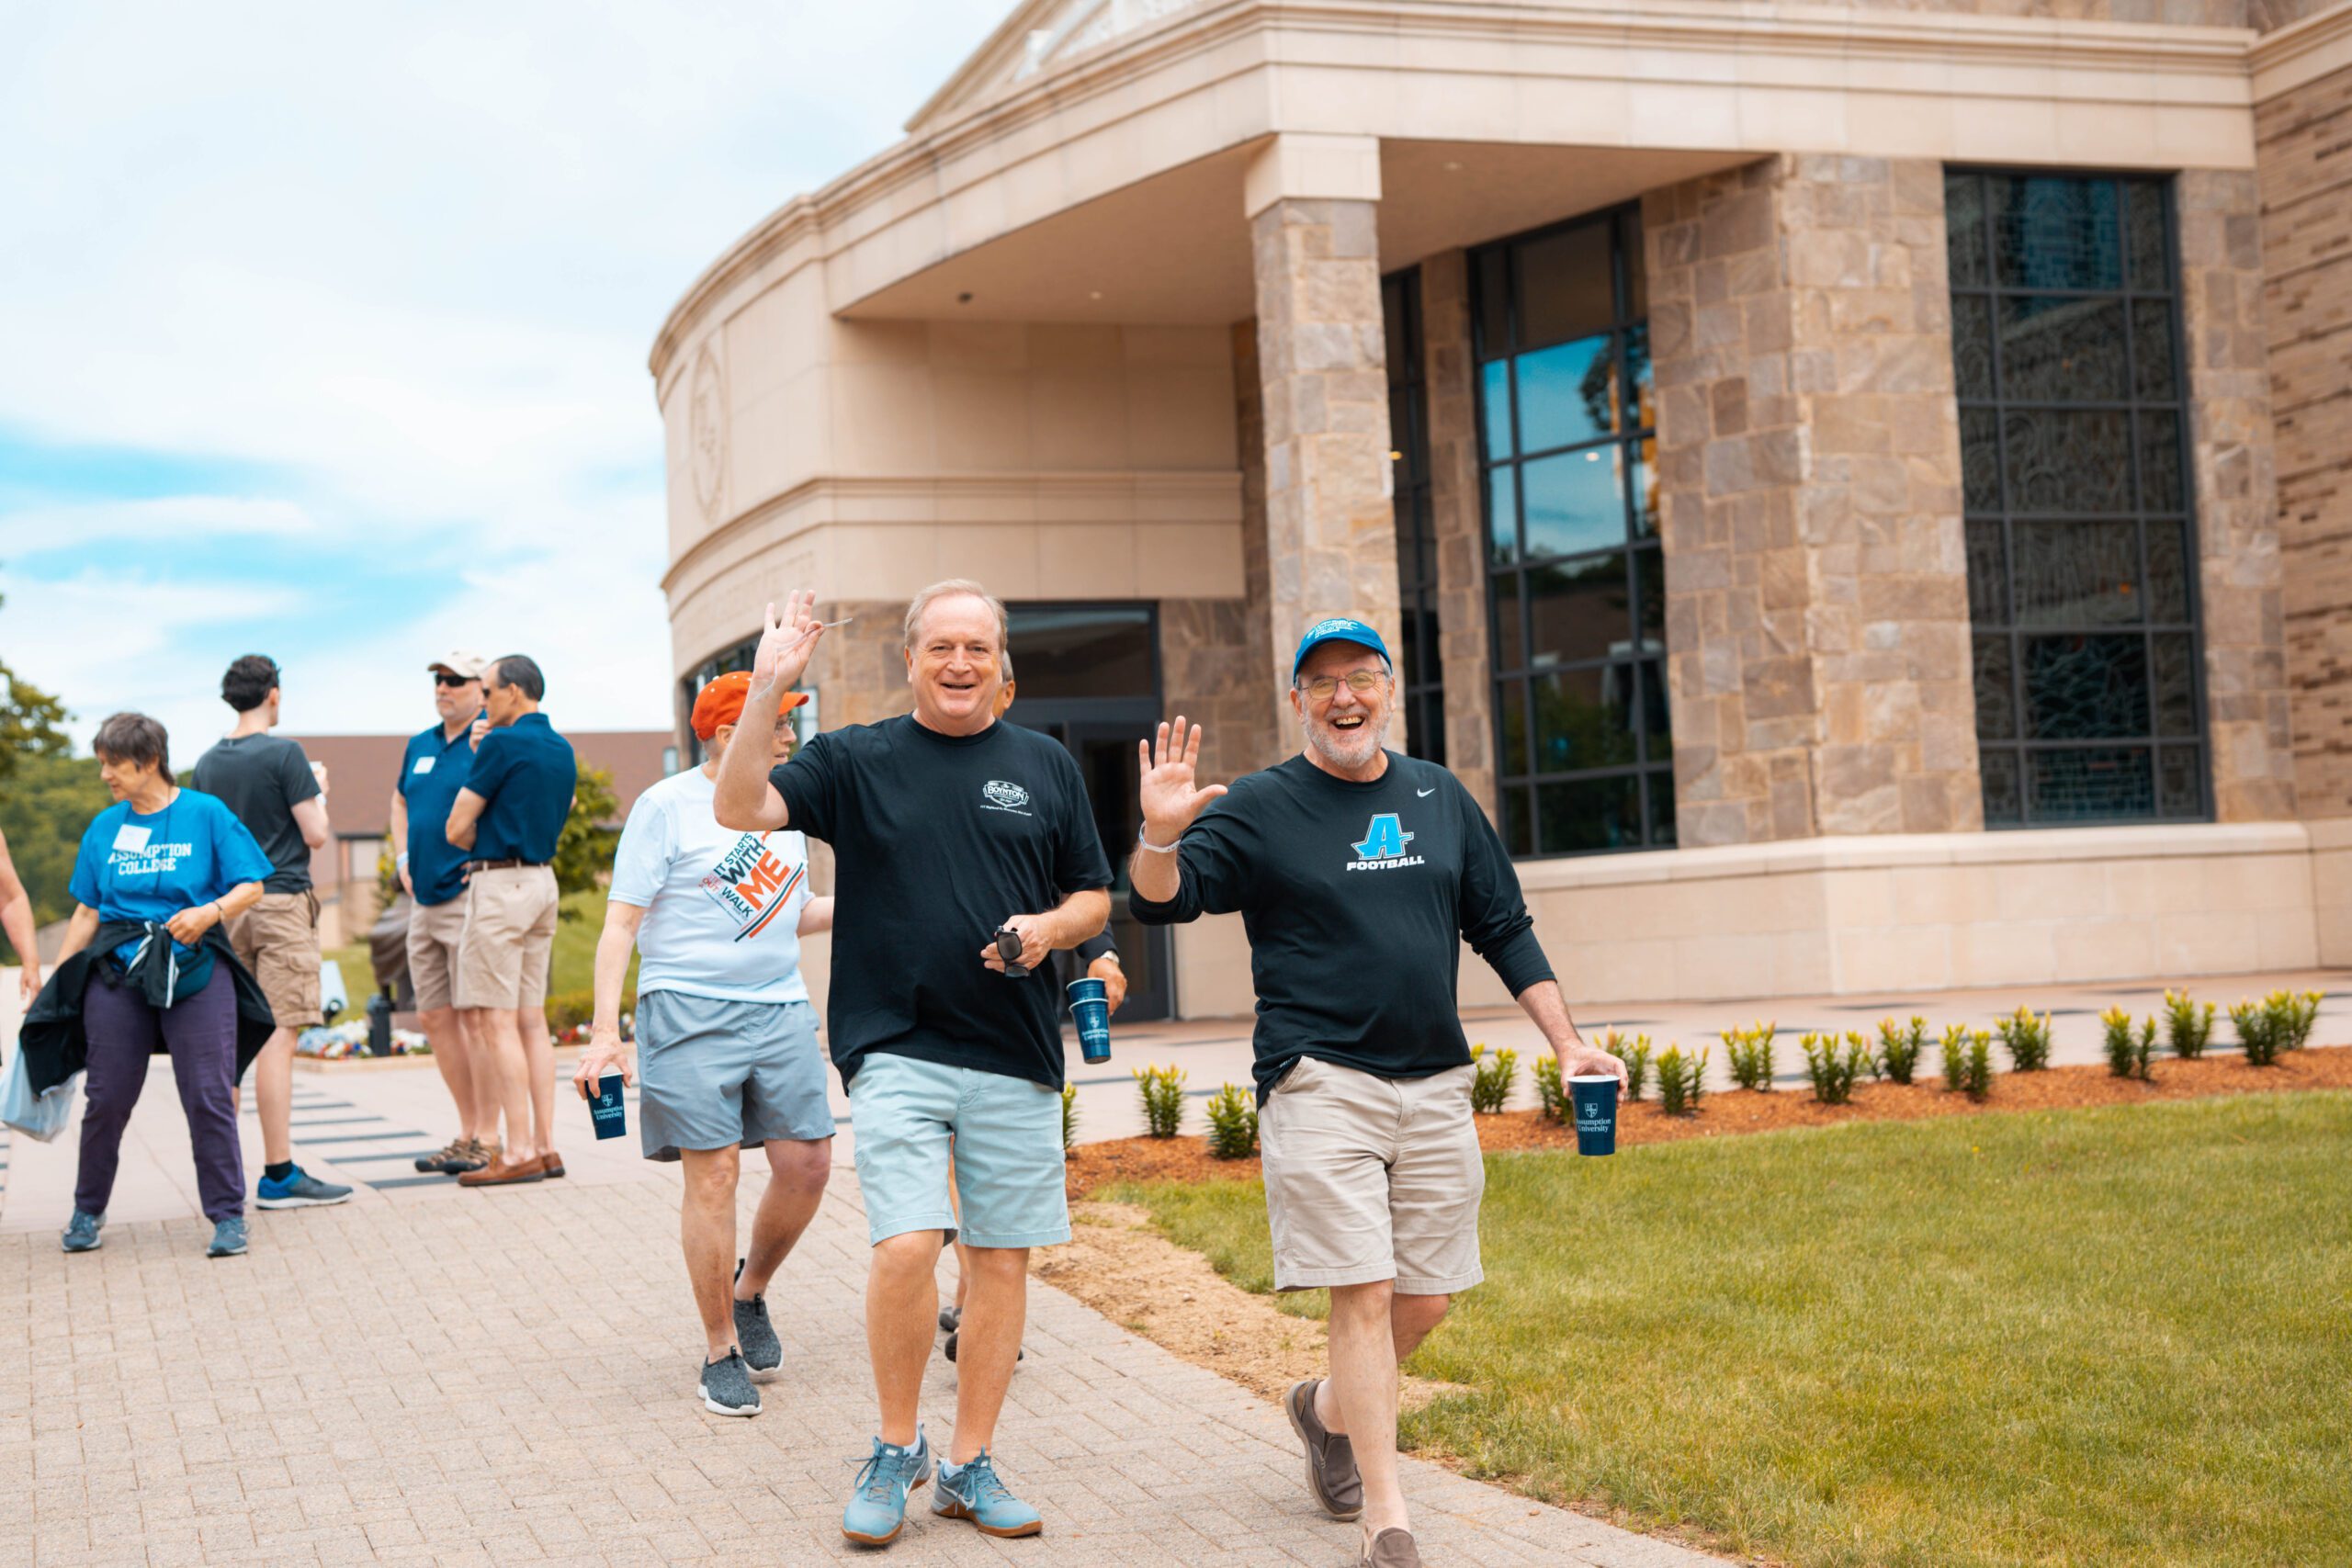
1876, 521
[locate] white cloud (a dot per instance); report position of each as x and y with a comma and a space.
409, 260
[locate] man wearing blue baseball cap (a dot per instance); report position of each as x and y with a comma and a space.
1358, 872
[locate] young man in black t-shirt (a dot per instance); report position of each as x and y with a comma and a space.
1358, 872
947, 828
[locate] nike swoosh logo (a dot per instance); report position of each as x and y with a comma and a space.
1425, 794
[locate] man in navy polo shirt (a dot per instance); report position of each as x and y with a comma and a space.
508, 816
433, 871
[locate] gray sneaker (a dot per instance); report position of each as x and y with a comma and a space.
301, 1190
1391, 1549
1331, 1473
763, 1351
82, 1232
228, 1239
725, 1387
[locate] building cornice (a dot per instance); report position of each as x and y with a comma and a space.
2299, 55
2095, 59
1138, 497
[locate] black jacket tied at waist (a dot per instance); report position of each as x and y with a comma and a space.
56, 1045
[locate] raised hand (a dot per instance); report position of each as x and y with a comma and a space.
1170, 796
787, 642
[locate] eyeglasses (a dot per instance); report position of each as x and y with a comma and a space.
444, 678
1323, 688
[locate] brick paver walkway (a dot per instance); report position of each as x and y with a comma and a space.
431, 1376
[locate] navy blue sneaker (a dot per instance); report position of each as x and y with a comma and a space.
299, 1190
973, 1492
878, 1505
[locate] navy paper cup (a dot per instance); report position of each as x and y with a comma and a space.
609, 1110
1592, 1100
1090, 1005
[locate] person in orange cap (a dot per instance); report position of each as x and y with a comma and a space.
727, 1041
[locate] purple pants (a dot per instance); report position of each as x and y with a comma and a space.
201, 1031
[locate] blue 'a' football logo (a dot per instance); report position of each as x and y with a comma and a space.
1384, 838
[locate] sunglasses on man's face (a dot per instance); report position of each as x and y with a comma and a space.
443, 678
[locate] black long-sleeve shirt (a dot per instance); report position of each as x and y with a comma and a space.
1357, 899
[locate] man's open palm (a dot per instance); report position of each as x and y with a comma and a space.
786, 641
1170, 796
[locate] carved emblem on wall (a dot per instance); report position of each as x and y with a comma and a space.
707, 433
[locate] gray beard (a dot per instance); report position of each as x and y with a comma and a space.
1329, 745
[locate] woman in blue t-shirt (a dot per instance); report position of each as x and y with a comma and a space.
177, 863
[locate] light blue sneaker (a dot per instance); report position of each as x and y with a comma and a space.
228, 1239
301, 1190
82, 1232
973, 1492
877, 1507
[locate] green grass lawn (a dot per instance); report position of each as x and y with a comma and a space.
2114, 1337
573, 984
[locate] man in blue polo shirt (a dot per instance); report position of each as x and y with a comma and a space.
508, 816
433, 871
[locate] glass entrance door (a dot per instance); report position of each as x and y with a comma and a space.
1105, 754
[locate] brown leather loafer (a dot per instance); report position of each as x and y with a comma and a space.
551, 1164
502, 1172
1331, 1473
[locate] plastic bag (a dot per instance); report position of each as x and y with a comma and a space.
42, 1116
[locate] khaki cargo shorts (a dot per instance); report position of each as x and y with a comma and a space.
509, 926
436, 933
1372, 1178
277, 940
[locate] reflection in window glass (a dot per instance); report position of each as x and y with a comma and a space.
1586, 757
1082, 650
2081, 575
1420, 672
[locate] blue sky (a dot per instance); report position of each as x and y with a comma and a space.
326, 327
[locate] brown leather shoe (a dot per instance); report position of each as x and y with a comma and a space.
502, 1172
551, 1164
1391, 1549
1331, 1473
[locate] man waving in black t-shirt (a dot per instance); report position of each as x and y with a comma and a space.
1358, 872
947, 828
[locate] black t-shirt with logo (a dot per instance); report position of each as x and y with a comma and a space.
1357, 899
937, 839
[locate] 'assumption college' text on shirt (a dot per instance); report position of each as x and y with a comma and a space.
1357, 899
722, 909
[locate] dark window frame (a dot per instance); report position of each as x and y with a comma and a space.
1421, 659
2020, 747
1519, 795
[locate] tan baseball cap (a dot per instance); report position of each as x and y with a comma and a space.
457, 661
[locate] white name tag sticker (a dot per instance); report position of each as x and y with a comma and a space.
423, 765
131, 840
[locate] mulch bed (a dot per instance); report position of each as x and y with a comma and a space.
1734, 1111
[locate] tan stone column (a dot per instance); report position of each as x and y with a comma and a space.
1809, 457
1459, 523
1330, 531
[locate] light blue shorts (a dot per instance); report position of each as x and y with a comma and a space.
713, 1073
1008, 1153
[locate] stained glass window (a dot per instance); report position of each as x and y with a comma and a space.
2081, 561
1576, 584
1420, 670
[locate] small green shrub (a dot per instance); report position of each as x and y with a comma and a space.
1968, 1061
1834, 1064
2261, 1027
1492, 1082
2026, 1040
2188, 1025
1681, 1079
1636, 1058
1233, 1123
1750, 1052
2128, 1050
1549, 1090
2300, 1011
1163, 1098
1899, 1048
1070, 1117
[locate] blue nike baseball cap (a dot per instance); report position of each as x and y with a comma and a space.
1339, 629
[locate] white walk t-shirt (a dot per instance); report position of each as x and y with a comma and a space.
721, 906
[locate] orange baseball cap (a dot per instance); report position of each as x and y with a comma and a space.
721, 702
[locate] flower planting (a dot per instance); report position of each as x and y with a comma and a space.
2188, 1025
1233, 1123
2128, 1049
1681, 1079
1899, 1048
1163, 1098
2026, 1040
1491, 1081
1749, 1053
1834, 1064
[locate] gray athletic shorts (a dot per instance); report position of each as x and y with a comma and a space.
713, 1073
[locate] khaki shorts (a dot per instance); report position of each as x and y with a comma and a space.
1372, 1178
277, 940
436, 933
509, 926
